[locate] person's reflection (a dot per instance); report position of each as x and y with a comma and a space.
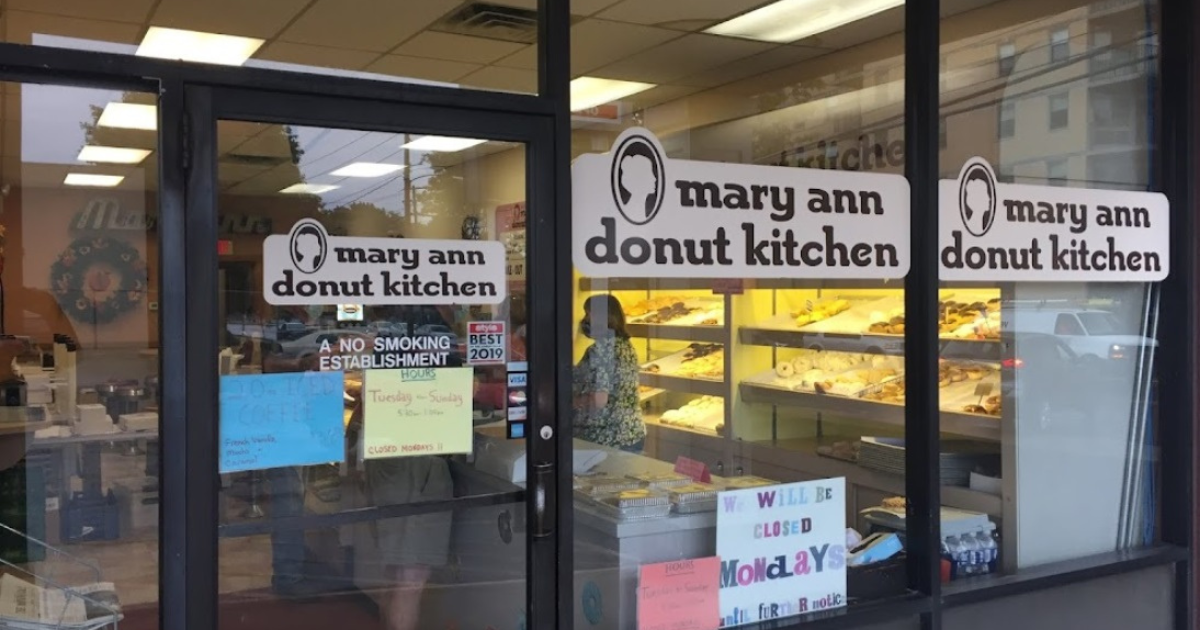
410, 548
288, 553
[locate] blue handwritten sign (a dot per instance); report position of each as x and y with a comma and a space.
274, 420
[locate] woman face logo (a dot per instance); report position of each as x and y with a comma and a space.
637, 179
977, 198
309, 246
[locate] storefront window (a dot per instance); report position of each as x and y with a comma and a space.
487, 44
1066, 469
79, 340
702, 367
372, 304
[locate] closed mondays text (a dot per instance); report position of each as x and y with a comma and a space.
752, 243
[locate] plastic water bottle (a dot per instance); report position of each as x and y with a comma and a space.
991, 551
972, 555
955, 549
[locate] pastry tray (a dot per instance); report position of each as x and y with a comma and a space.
659, 481
798, 383
746, 481
708, 421
669, 366
648, 504
708, 307
604, 484
693, 498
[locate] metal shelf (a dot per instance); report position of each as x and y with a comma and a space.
710, 334
703, 387
963, 424
873, 343
707, 284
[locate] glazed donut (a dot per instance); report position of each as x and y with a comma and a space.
785, 370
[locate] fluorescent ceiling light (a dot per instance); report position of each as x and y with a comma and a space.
170, 43
592, 91
308, 189
791, 20
441, 143
129, 116
88, 179
113, 155
367, 169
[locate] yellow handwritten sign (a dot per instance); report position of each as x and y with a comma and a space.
417, 411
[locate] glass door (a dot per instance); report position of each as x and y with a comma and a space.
373, 395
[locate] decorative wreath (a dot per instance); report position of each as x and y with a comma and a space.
97, 279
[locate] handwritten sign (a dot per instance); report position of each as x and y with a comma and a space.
782, 550
274, 420
419, 411
680, 595
693, 468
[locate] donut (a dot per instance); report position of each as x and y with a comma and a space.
785, 370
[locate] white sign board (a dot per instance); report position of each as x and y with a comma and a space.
308, 266
638, 214
992, 231
782, 549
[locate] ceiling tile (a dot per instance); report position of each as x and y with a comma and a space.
231, 173
588, 7
659, 95
418, 68
378, 25
506, 79
773, 59
268, 182
526, 59
449, 47
858, 32
320, 56
258, 18
596, 43
114, 11
697, 14
21, 25
682, 57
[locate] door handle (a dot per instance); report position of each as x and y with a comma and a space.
543, 499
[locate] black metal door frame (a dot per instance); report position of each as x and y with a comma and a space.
194, 110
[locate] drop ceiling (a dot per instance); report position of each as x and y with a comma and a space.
706, 77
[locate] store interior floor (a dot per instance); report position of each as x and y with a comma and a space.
245, 568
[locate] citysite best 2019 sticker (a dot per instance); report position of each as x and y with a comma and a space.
487, 343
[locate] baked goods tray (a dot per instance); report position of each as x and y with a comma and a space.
962, 424
664, 373
957, 397
653, 505
855, 321
704, 419
771, 379
703, 312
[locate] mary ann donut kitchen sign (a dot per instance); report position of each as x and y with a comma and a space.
637, 213
1008, 232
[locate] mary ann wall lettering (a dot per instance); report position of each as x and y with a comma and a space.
640, 214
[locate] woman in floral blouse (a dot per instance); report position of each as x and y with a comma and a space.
605, 386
